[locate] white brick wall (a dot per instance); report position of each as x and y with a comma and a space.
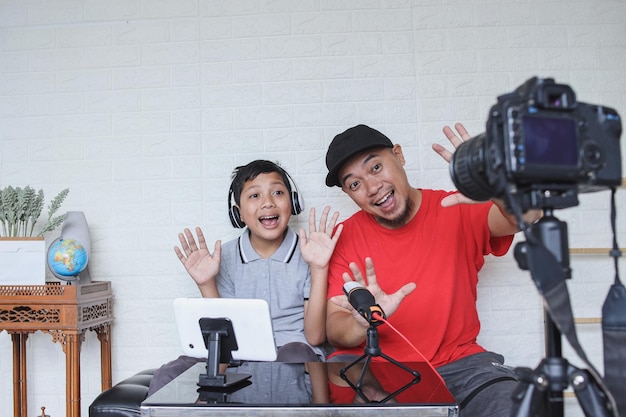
143, 108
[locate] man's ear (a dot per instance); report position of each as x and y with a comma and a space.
397, 152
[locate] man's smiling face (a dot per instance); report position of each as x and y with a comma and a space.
376, 181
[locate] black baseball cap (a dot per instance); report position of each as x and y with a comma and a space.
348, 144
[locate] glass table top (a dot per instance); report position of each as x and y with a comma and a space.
337, 389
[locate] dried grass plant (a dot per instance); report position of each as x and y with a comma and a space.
20, 209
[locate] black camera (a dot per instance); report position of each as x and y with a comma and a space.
541, 147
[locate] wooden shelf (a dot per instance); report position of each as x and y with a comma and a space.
588, 320
593, 251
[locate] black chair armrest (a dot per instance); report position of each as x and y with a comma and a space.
123, 399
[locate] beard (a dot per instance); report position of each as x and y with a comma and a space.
401, 219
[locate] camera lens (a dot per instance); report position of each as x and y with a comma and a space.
468, 169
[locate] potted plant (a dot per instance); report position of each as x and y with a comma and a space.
22, 255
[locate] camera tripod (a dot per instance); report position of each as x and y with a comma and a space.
372, 349
540, 392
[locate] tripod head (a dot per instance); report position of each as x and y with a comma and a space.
552, 234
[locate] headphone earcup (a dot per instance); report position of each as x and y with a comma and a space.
297, 203
235, 217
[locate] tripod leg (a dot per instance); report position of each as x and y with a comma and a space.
401, 365
357, 387
343, 370
591, 398
366, 365
525, 401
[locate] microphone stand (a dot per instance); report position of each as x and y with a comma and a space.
372, 349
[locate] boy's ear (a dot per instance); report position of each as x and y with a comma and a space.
297, 203
235, 217
233, 211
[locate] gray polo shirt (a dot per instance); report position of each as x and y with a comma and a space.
284, 281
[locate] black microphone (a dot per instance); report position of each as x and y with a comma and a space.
363, 301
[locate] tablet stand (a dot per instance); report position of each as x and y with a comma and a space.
372, 349
219, 395
219, 338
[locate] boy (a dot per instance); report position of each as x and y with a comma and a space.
268, 261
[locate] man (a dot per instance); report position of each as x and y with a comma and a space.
421, 251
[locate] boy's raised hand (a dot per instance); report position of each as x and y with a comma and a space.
196, 258
318, 247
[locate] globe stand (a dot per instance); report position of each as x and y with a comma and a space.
80, 279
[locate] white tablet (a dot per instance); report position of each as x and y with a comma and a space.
251, 321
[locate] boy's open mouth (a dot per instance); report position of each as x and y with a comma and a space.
268, 220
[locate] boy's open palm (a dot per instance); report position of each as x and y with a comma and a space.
318, 247
196, 258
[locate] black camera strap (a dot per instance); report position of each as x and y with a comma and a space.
550, 281
550, 277
614, 338
614, 328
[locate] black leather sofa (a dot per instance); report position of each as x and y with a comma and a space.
124, 398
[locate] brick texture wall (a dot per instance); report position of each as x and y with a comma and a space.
143, 107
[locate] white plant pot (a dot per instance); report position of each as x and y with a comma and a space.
22, 261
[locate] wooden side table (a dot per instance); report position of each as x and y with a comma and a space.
65, 312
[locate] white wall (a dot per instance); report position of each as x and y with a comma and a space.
142, 108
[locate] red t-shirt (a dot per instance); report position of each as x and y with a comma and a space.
441, 249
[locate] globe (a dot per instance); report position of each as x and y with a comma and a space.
67, 258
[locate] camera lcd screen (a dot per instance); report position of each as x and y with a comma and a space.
550, 141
